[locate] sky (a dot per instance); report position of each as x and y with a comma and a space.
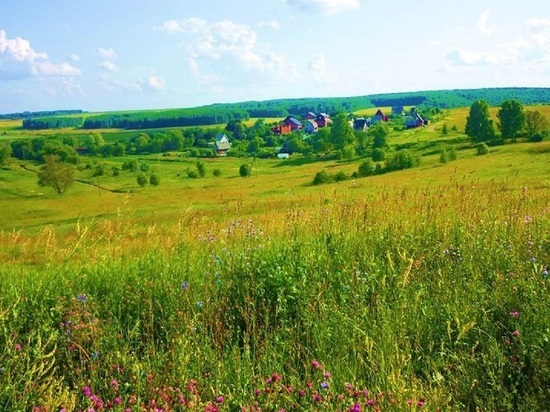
106, 55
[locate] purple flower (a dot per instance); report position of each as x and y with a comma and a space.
87, 391
516, 333
324, 385
219, 399
355, 408
421, 402
514, 314
81, 297
315, 364
184, 285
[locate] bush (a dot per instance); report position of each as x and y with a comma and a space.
217, 172
192, 174
154, 180
201, 169
537, 137
482, 149
322, 177
245, 170
378, 155
141, 179
452, 153
366, 168
444, 156
404, 159
341, 176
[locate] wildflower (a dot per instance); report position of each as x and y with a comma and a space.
114, 383
327, 375
199, 303
275, 377
545, 272
516, 333
95, 355
18, 347
409, 401
87, 391
219, 399
420, 403
371, 402
82, 298
514, 314
184, 285
257, 392
324, 385
315, 364
355, 408
116, 401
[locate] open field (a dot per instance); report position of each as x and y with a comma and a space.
426, 288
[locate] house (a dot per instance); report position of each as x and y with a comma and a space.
379, 117
221, 144
282, 129
413, 119
323, 120
397, 110
310, 126
310, 116
360, 124
283, 155
294, 123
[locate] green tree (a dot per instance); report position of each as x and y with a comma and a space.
366, 168
5, 153
245, 170
201, 168
511, 119
341, 132
379, 133
535, 122
479, 127
404, 159
141, 179
322, 177
482, 149
154, 180
56, 174
444, 130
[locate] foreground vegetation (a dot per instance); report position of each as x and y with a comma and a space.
434, 297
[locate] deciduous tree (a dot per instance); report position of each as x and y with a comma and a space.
511, 119
479, 127
535, 122
56, 174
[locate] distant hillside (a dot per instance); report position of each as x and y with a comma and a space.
223, 112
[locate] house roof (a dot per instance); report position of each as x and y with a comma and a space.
222, 145
293, 120
221, 136
379, 113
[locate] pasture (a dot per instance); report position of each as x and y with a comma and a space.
425, 288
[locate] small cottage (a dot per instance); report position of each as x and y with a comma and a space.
221, 144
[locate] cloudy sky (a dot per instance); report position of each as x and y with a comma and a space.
136, 54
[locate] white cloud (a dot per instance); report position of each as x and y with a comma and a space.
318, 68
482, 23
538, 23
19, 60
461, 57
272, 24
156, 83
109, 66
225, 49
107, 54
74, 57
324, 6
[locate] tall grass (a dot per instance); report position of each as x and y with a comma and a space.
432, 297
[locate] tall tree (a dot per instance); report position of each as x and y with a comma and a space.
341, 132
5, 152
379, 133
58, 175
511, 119
479, 127
535, 122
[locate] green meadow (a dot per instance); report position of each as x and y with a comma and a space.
425, 288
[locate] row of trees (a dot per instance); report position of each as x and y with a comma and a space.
513, 122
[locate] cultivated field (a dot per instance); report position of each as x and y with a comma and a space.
425, 288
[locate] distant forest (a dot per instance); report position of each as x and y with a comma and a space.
224, 113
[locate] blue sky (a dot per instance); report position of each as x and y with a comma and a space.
121, 54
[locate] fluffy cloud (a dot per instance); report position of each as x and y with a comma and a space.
225, 48
272, 24
461, 57
324, 6
19, 60
482, 23
107, 54
109, 66
156, 83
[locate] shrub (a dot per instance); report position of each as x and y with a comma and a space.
378, 155
201, 169
452, 153
141, 179
444, 156
154, 180
482, 149
217, 172
537, 137
192, 174
322, 177
404, 159
245, 170
341, 176
366, 168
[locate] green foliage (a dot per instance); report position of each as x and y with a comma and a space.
217, 172
56, 174
201, 169
154, 180
535, 123
341, 176
379, 133
322, 177
479, 127
482, 149
444, 130
366, 168
511, 119
245, 170
130, 165
341, 133
141, 179
444, 156
378, 154
403, 159
5, 153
